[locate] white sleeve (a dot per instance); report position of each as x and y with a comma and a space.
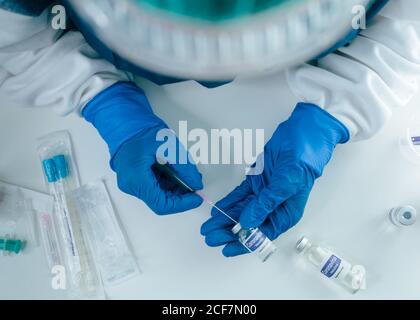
43, 67
362, 83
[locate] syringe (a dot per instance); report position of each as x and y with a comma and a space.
167, 170
252, 239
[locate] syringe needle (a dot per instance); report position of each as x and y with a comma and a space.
212, 204
166, 169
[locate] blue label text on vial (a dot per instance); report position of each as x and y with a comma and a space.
331, 266
255, 240
415, 140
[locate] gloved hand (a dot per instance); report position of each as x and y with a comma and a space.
275, 200
125, 120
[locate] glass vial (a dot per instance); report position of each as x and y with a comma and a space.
332, 266
410, 140
255, 241
403, 216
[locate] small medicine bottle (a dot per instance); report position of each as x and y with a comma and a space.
332, 266
255, 241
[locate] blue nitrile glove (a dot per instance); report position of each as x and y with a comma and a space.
275, 200
125, 120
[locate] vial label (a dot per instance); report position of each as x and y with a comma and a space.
256, 240
266, 243
415, 140
334, 267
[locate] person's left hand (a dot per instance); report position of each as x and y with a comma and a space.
274, 201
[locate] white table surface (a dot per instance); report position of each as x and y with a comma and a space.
347, 208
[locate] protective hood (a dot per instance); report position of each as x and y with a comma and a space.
217, 39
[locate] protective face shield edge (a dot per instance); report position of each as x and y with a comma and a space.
217, 44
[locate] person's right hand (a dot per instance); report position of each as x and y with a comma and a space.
127, 123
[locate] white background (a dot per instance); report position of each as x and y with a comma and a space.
347, 208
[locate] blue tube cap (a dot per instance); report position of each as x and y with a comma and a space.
50, 170
61, 166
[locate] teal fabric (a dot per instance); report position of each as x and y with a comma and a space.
25, 7
214, 10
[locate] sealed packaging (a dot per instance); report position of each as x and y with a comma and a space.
49, 239
61, 176
18, 209
103, 233
56, 153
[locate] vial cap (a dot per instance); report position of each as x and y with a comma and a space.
237, 228
408, 216
302, 244
358, 273
404, 216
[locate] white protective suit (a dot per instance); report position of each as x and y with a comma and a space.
360, 85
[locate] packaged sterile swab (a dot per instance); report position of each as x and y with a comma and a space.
104, 235
56, 172
25, 206
60, 171
17, 218
49, 239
